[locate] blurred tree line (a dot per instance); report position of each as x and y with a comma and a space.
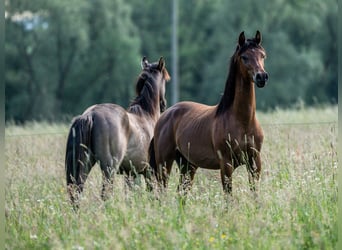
62, 56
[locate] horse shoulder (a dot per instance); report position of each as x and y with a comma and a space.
172, 118
141, 126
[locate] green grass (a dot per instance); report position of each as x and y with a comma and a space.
296, 207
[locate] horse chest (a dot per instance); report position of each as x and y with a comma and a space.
237, 140
241, 142
241, 146
239, 135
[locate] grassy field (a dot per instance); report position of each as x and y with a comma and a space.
296, 207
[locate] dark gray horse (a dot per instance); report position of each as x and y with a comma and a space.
116, 138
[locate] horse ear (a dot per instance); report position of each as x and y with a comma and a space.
242, 39
144, 62
161, 64
258, 37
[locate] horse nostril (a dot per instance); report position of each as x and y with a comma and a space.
258, 77
261, 77
266, 77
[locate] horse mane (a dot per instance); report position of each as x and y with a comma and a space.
227, 98
144, 101
229, 91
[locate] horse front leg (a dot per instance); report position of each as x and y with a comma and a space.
227, 170
254, 171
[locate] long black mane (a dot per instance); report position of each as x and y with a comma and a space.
229, 92
146, 96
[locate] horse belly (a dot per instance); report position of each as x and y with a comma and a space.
208, 163
201, 157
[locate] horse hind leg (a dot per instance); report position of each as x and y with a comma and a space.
148, 176
160, 165
132, 177
186, 179
165, 172
187, 174
108, 173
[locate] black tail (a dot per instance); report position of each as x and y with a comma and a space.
152, 159
78, 153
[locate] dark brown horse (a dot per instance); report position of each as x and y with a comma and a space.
116, 138
222, 137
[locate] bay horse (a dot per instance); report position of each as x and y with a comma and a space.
220, 137
116, 138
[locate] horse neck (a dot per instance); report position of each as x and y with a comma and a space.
148, 102
156, 114
243, 106
239, 96
156, 105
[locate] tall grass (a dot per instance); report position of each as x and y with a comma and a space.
296, 207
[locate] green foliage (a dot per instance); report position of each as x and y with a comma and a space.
63, 56
71, 58
296, 207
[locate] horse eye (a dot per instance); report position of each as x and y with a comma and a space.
244, 58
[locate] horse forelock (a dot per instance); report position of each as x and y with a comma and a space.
249, 44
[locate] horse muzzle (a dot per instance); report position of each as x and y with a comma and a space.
260, 79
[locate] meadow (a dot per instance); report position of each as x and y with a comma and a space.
296, 207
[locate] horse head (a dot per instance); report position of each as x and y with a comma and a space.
250, 56
156, 75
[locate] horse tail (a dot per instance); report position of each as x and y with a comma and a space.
152, 159
78, 151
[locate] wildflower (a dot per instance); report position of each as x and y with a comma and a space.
33, 236
211, 239
78, 248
